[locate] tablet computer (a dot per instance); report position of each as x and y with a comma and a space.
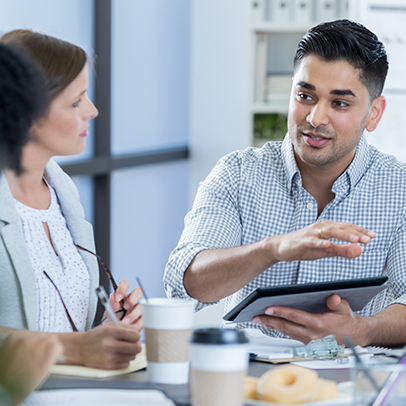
309, 297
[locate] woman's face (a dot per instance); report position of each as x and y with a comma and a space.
64, 129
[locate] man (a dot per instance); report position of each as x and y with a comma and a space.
321, 206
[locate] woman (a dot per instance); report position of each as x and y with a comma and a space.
42, 224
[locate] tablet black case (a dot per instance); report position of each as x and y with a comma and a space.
309, 297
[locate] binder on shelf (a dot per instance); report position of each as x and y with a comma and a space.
261, 63
278, 89
257, 11
343, 9
302, 12
326, 10
278, 11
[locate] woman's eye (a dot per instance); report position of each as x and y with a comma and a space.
76, 104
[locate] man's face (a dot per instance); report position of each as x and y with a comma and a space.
328, 111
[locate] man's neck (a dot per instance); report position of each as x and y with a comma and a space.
318, 181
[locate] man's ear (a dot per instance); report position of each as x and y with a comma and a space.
377, 108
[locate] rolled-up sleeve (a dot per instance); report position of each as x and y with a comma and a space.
214, 222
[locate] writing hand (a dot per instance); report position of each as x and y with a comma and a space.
109, 346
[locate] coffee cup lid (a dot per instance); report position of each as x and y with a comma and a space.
218, 336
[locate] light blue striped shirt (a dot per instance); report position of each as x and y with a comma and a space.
257, 193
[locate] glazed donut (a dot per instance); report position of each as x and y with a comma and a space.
288, 384
327, 390
250, 387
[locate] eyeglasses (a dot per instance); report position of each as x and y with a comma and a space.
110, 276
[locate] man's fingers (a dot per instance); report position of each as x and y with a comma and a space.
333, 302
342, 231
291, 329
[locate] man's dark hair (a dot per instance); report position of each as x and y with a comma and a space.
352, 42
23, 99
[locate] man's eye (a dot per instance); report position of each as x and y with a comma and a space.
304, 96
339, 103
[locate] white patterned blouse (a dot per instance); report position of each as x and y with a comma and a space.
61, 261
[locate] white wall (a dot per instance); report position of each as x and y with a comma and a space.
150, 74
220, 68
150, 110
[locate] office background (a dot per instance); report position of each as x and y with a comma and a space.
172, 82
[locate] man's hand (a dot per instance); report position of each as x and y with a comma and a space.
240, 265
339, 319
26, 358
312, 242
134, 309
108, 346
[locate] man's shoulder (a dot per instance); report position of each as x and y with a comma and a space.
269, 153
381, 161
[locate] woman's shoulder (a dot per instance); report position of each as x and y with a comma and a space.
66, 190
56, 176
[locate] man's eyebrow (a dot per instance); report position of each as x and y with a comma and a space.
344, 92
337, 92
305, 85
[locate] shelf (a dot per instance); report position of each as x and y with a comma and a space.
288, 28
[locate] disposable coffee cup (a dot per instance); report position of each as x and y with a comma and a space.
168, 324
219, 364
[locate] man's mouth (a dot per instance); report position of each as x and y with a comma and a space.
315, 140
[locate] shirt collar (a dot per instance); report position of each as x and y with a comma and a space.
289, 161
348, 179
358, 165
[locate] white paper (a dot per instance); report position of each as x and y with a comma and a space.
99, 397
140, 362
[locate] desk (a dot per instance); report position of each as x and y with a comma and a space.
178, 393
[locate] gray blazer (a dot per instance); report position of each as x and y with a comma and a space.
18, 294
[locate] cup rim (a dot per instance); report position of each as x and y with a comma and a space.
167, 302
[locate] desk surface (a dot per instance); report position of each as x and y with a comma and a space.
179, 393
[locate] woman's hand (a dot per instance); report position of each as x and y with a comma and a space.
133, 316
108, 346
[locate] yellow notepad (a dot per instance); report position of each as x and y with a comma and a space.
140, 362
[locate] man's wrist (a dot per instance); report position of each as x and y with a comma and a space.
365, 330
269, 246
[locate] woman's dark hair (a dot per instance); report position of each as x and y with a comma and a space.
352, 42
60, 60
23, 99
